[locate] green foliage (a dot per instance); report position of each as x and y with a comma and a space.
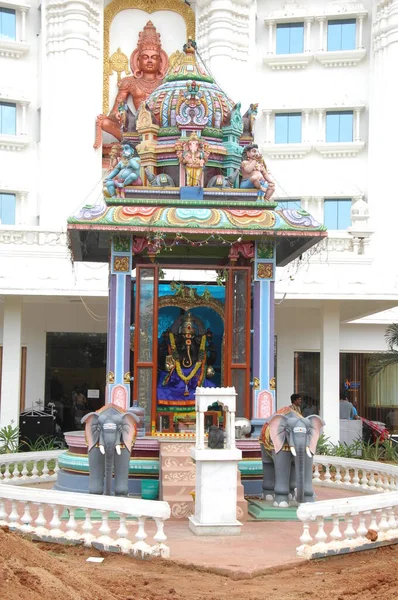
381, 360
9, 439
377, 451
43, 443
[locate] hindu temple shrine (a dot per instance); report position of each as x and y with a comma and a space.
193, 237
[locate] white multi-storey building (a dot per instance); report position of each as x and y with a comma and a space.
324, 76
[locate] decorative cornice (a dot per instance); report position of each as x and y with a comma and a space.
148, 6
11, 49
13, 95
287, 151
285, 62
341, 58
14, 142
339, 149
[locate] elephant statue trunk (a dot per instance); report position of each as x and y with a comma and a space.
110, 442
288, 443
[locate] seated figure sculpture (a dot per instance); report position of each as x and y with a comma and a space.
126, 172
254, 172
149, 63
186, 355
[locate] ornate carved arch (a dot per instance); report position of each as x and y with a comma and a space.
148, 6
188, 303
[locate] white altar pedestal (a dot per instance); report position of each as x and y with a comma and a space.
216, 492
216, 469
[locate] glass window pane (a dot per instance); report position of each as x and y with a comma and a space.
145, 394
7, 209
334, 35
348, 35
239, 383
289, 204
346, 127
330, 214
307, 381
282, 39
145, 339
294, 135
239, 312
7, 24
296, 38
332, 127
281, 129
343, 214
8, 114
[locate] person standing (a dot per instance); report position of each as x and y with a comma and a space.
346, 408
295, 400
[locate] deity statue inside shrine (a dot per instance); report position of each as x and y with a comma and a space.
254, 172
149, 63
186, 356
193, 154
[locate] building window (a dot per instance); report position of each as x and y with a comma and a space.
339, 126
7, 209
337, 213
342, 35
289, 204
288, 128
290, 38
7, 24
8, 118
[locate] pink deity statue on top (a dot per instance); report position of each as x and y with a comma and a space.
149, 63
193, 154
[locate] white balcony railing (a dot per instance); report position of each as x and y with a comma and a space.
349, 524
55, 516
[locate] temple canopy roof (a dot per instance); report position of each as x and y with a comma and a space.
215, 222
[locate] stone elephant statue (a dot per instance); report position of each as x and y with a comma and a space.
110, 435
161, 180
288, 444
220, 181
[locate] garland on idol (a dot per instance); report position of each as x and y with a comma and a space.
200, 363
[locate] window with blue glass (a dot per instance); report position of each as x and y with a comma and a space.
340, 126
290, 38
289, 204
288, 128
342, 35
8, 118
7, 209
337, 213
7, 24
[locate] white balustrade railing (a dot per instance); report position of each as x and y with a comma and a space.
105, 522
348, 524
24, 468
355, 474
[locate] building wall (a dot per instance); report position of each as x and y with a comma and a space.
42, 316
299, 330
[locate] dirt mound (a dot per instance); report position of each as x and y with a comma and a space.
39, 571
29, 572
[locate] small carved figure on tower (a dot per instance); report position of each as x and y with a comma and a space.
126, 172
193, 154
254, 172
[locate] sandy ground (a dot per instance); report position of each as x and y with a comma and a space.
38, 571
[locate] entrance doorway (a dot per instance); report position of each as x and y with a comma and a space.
75, 375
191, 327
